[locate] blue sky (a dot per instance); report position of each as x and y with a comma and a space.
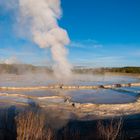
103, 33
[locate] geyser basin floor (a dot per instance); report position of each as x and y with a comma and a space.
99, 96
82, 103
104, 102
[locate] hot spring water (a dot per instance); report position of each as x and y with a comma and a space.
97, 96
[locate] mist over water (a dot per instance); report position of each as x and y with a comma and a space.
43, 79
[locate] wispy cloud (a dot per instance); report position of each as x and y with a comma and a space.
30, 56
9, 51
109, 58
89, 43
135, 53
100, 61
10, 60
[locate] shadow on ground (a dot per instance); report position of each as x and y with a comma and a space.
73, 129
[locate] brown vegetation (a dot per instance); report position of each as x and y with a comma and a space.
23, 68
111, 130
31, 125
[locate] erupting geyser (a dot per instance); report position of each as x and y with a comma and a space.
42, 18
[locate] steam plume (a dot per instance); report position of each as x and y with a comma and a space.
42, 18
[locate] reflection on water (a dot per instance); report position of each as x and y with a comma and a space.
100, 96
36, 93
15, 98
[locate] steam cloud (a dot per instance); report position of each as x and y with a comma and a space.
41, 18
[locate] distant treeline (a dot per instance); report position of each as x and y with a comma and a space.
125, 70
25, 68
22, 68
103, 70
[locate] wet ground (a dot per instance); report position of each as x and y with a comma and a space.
97, 100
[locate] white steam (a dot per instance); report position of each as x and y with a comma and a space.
41, 17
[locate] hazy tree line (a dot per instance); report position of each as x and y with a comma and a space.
25, 68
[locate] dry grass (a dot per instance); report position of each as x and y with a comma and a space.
111, 130
31, 125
